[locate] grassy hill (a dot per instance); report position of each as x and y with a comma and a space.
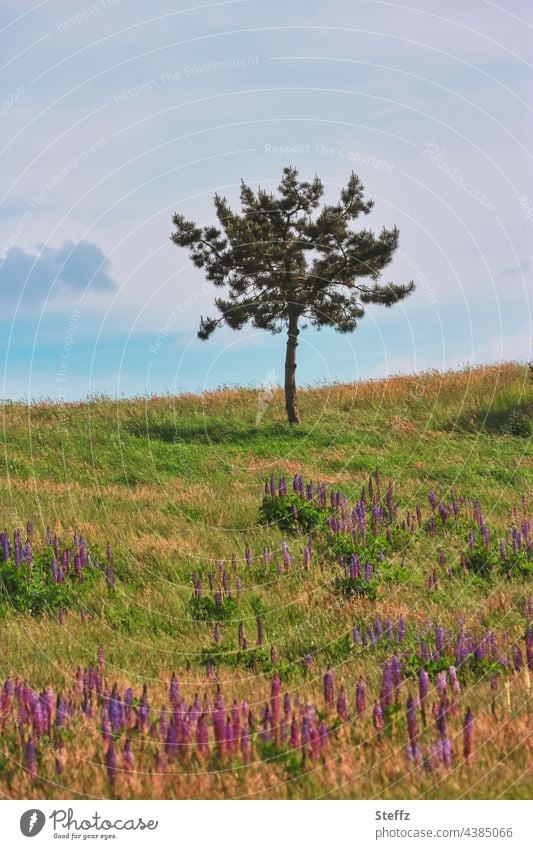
175, 485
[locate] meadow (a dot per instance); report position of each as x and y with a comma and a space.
198, 600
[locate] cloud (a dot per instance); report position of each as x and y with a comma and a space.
56, 272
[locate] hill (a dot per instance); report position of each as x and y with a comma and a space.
300, 622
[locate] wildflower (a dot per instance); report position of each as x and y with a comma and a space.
342, 708
360, 696
202, 736
245, 745
128, 758
275, 689
412, 727
260, 632
31, 760
329, 689
401, 630
468, 736
111, 763
377, 716
174, 690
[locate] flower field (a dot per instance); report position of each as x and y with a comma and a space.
196, 606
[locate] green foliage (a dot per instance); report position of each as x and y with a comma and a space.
280, 511
349, 587
205, 609
33, 591
482, 562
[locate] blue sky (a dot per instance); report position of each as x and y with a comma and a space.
114, 115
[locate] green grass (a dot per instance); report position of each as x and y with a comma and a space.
176, 483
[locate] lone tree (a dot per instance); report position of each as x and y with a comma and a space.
282, 265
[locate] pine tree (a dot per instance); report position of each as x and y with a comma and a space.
281, 263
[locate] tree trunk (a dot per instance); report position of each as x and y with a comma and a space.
290, 371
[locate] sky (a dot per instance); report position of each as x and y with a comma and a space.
115, 114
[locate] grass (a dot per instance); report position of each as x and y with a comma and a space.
176, 483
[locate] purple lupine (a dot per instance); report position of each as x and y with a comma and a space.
245, 745
111, 763
144, 710
385, 697
401, 630
216, 633
368, 571
377, 717
219, 724
127, 757
439, 640
360, 696
295, 737
468, 736
355, 635
423, 689
307, 557
202, 736
444, 512
174, 690
412, 727
456, 686
329, 689
275, 706
248, 556
342, 707
529, 648
432, 499
30, 757
441, 683
260, 631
